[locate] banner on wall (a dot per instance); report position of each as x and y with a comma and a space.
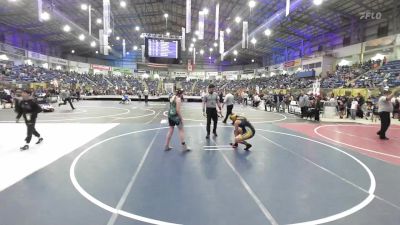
245, 35
198, 74
122, 70
12, 50
211, 75
277, 67
37, 56
292, 63
100, 67
201, 25
221, 43
190, 65
58, 61
106, 24
181, 74
398, 40
216, 21
188, 15
79, 64
183, 41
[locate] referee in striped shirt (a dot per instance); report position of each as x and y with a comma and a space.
210, 104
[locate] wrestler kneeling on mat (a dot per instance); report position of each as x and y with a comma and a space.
244, 130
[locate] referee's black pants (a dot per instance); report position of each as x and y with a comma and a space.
385, 123
228, 112
212, 114
65, 102
31, 130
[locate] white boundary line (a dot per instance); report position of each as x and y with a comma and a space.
152, 119
136, 117
128, 188
353, 146
165, 113
83, 118
108, 208
347, 212
252, 194
98, 202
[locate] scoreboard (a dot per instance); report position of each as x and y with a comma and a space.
160, 48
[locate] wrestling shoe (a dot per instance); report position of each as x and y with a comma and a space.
39, 141
25, 147
248, 146
234, 145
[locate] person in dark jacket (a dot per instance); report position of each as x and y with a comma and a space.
28, 108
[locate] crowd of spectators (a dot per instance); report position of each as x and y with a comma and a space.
370, 74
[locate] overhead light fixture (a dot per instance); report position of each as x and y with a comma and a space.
235, 52
197, 32
228, 30
45, 16
135, 48
191, 45
215, 44
194, 40
67, 28
201, 51
167, 33
84, 7
317, 2
122, 4
93, 44
209, 57
117, 38
137, 28
267, 32
211, 49
205, 11
165, 15
142, 36
73, 51
238, 19
109, 31
127, 53
12, 0
97, 52
252, 3
82, 37
252, 60
190, 49
234, 59
4, 57
253, 41
98, 21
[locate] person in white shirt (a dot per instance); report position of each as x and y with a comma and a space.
353, 109
228, 101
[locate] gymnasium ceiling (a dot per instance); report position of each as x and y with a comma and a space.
306, 21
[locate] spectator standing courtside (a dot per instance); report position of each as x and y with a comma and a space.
210, 104
385, 107
146, 96
229, 102
353, 109
28, 109
65, 95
